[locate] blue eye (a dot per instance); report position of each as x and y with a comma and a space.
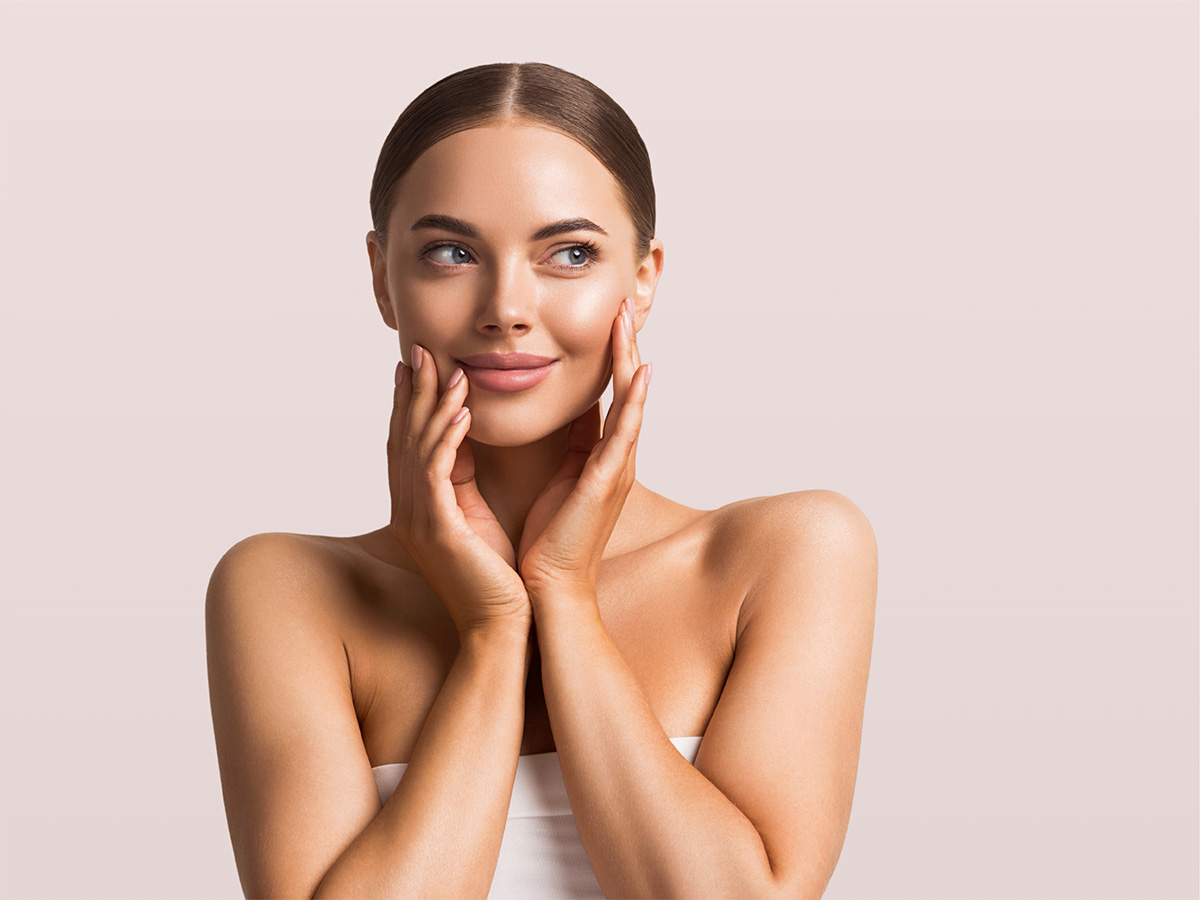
576, 256
454, 255
579, 256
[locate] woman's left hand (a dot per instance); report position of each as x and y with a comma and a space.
570, 522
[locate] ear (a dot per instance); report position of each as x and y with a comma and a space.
378, 258
646, 277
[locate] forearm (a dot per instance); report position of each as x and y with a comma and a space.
439, 834
651, 824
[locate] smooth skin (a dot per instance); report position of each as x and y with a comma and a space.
529, 594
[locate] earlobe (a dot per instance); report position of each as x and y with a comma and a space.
647, 277
385, 310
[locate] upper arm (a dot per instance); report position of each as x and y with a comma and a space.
783, 742
297, 783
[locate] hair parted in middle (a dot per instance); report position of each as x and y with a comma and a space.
530, 91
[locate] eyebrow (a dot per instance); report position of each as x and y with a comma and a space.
458, 226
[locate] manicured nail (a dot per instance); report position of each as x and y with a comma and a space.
400, 368
459, 415
649, 373
416, 355
458, 373
628, 318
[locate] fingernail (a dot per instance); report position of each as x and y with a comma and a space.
416, 355
649, 373
400, 367
458, 373
628, 319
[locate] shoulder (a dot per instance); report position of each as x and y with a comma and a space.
273, 556
282, 698
786, 546
798, 514
783, 743
762, 529
274, 573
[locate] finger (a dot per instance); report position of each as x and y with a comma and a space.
620, 445
400, 400
433, 456
633, 339
395, 444
581, 439
420, 408
424, 393
462, 478
444, 493
447, 407
623, 367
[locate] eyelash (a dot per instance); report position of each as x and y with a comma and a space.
592, 250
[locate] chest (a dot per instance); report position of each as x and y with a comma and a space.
673, 626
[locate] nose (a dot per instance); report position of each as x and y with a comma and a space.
507, 304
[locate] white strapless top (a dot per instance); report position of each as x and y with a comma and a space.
541, 855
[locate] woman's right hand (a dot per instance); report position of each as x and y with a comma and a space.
438, 514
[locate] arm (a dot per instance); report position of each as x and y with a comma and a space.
304, 812
439, 834
765, 810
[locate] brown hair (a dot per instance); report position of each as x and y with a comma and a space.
533, 91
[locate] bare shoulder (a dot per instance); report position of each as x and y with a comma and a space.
283, 712
806, 509
275, 584
279, 568
277, 551
783, 742
801, 538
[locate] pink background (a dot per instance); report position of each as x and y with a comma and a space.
938, 256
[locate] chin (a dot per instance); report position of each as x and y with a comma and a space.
497, 429
498, 426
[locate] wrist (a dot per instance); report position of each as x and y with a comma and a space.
560, 592
498, 631
497, 647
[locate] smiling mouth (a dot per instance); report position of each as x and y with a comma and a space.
507, 379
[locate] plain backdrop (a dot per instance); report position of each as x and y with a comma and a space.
940, 257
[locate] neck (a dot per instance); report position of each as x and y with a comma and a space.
511, 478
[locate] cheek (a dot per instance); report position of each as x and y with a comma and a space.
582, 320
425, 308
427, 315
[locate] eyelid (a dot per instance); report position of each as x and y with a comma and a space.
438, 245
589, 247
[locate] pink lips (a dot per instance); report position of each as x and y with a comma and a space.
506, 371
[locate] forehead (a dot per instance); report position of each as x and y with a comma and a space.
506, 176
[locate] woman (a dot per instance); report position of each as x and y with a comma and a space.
541, 678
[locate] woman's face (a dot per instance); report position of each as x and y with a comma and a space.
512, 238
